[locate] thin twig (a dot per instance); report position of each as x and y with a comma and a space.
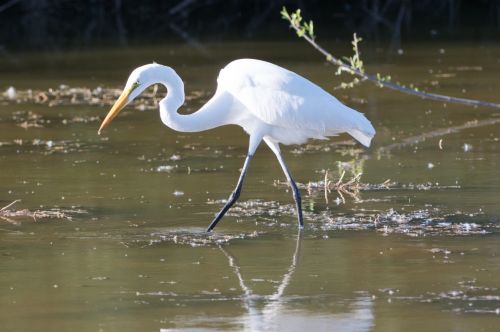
355, 179
9, 205
340, 179
326, 186
341, 196
296, 25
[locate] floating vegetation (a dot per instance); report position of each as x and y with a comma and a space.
353, 186
181, 169
346, 147
195, 238
65, 95
81, 119
10, 215
420, 222
166, 168
429, 222
29, 120
264, 210
47, 147
467, 297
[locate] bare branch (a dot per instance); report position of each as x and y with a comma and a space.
302, 31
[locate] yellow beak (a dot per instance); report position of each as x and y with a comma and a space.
117, 107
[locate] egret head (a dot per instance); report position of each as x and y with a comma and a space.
138, 81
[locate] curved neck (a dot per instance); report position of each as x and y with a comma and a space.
204, 119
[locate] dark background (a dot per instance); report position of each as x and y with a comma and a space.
72, 24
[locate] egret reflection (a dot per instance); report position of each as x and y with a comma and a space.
274, 315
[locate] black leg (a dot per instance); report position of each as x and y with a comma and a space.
296, 193
297, 198
234, 195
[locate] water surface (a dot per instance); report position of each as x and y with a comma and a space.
422, 255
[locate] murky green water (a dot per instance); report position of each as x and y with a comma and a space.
420, 256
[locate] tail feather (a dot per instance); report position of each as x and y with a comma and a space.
364, 138
360, 127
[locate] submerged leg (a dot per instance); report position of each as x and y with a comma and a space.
234, 195
296, 193
254, 143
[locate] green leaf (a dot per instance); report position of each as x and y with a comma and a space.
311, 29
284, 14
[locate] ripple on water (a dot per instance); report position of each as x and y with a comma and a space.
195, 237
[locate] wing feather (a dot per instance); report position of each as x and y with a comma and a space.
284, 99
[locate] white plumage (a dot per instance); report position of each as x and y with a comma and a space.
269, 102
294, 108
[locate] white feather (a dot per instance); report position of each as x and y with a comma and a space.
294, 107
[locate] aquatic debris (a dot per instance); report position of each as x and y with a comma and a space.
195, 238
179, 169
175, 157
12, 216
65, 95
99, 278
266, 210
466, 68
420, 222
157, 293
439, 250
29, 119
468, 297
10, 93
81, 119
165, 168
389, 291
353, 186
47, 147
346, 147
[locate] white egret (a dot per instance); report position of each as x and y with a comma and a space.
269, 102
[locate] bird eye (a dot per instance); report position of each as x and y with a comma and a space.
134, 85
